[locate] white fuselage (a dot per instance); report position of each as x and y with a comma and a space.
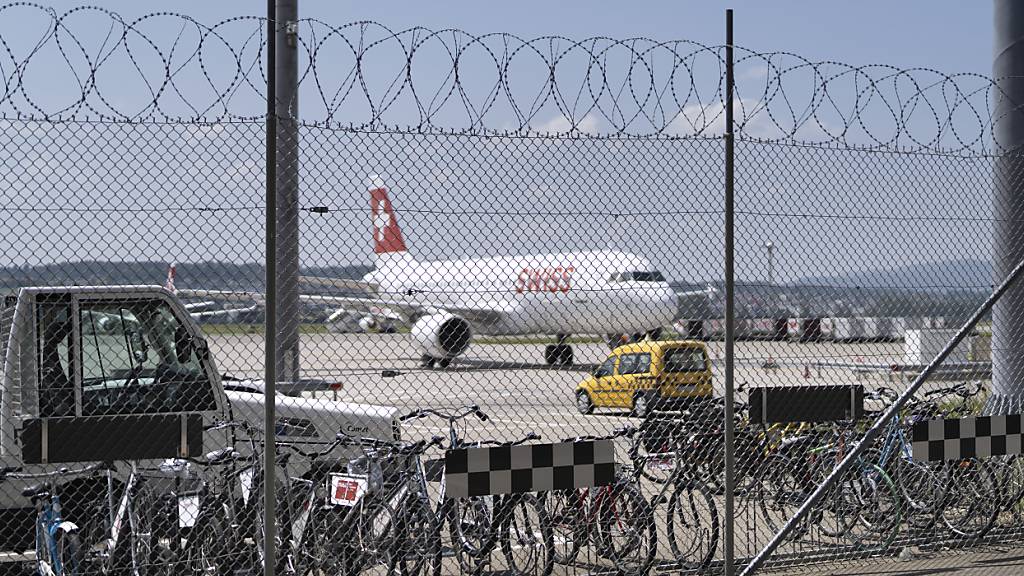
564, 293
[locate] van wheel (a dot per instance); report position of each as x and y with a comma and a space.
642, 404
584, 403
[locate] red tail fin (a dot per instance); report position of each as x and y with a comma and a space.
169, 284
387, 236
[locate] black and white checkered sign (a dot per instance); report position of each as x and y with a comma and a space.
529, 468
974, 437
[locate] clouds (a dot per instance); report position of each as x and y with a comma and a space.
561, 124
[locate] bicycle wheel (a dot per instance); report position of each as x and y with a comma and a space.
137, 557
879, 508
922, 486
626, 533
526, 537
971, 503
417, 543
70, 554
206, 549
780, 489
692, 525
1010, 473
469, 522
565, 511
658, 448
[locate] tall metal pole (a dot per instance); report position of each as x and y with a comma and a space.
770, 247
730, 306
286, 92
270, 321
1008, 314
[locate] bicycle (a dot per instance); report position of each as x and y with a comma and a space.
367, 517
127, 518
480, 524
216, 541
58, 547
615, 519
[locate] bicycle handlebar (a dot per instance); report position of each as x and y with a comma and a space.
469, 410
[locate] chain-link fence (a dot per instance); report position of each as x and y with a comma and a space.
510, 314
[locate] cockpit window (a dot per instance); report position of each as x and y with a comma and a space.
638, 276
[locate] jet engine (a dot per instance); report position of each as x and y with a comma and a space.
442, 335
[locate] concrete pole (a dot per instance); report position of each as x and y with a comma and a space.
1008, 312
286, 353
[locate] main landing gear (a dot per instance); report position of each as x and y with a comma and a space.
427, 361
559, 354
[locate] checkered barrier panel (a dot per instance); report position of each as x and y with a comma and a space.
974, 437
529, 468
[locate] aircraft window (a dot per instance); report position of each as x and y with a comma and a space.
685, 360
638, 276
137, 359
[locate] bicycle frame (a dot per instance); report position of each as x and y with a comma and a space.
48, 523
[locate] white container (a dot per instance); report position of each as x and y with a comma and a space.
921, 346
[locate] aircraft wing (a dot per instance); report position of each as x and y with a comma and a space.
228, 295
343, 283
412, 311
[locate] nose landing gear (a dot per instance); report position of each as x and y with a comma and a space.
560, 354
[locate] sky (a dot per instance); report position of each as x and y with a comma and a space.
96, 168
949, 35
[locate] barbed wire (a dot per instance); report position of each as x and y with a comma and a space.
90, 62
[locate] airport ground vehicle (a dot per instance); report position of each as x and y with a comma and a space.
84, 367
647, 376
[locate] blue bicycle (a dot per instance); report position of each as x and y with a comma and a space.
58, 549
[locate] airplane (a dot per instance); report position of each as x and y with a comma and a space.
198, 309
446, 303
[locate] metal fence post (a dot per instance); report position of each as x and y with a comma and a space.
879, 425
730, 306
270, 319
287, 113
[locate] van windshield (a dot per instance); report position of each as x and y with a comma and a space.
688, 359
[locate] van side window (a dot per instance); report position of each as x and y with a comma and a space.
606, 369
643, 364
685, 360
627, 365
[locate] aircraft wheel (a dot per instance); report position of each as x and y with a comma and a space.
565, 356
550, 354
427, 361
444, 362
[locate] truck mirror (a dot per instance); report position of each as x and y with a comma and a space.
140, 350
182, 345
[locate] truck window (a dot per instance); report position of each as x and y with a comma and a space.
56, 383
685, 360
137, 359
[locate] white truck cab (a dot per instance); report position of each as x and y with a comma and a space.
123, 373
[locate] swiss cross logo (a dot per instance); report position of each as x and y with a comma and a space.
345, 489
387, 237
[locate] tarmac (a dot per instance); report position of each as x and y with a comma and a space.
510, 382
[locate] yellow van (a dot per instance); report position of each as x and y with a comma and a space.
648, 375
